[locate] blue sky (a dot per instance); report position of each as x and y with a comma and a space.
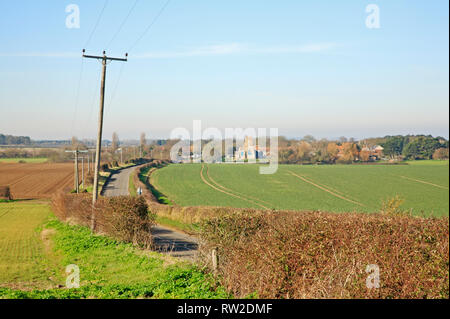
305, 67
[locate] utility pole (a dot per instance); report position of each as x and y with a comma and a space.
77, 182
89, 166
82, 173
104, 59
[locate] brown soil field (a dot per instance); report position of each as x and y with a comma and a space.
36, 180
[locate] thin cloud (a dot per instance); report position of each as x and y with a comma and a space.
236, 48
210, 50
41, 55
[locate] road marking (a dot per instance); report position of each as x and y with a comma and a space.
423, 182
327, 190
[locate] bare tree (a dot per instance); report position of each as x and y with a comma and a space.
75, 142
142, 144
114, 143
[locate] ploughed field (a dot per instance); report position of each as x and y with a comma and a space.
36, 180
334, 188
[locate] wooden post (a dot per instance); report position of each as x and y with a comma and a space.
104, 60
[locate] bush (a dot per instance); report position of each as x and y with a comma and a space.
90, 178
325, 255
5, 193
391, 207
124, 218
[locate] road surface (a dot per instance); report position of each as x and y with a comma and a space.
117, 184
166, 240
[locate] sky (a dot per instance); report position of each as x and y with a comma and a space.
304, 67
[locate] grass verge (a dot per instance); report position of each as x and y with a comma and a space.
108, 268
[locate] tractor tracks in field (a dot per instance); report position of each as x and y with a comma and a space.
227, 191
423, 182
327, 189
233, 191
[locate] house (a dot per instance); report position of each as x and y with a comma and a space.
250, 151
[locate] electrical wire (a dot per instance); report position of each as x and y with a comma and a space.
113, 94
150, 25
77, 97
96, 24
122, 24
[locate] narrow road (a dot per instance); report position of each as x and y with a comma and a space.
117, 184
174, 243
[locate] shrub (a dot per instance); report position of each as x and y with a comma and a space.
5, 193
391, 207
90, 178
325, 255
124, 218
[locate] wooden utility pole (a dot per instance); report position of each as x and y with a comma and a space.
82, 171
104, 59
76, 177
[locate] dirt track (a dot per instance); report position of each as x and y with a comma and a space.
36, 180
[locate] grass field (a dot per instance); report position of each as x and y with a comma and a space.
35, 249
334, 188
25, 259
24, 159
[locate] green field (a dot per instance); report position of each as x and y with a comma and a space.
334, 188
35, 249
25, 260
24, 159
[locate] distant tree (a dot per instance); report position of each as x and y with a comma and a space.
343, 140
422, 147
114, 143
393, 146
142, 143
441, 154
333, 151
309, 139
364, 155
75, 143
303, 151
14, 140
350, 152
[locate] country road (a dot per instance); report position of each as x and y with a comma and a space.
117, 184
169, 241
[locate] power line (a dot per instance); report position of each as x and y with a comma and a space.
123, 23
150, 25
114, 91
93, 101
96, 24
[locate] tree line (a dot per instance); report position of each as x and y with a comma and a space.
14, 140
416, 147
